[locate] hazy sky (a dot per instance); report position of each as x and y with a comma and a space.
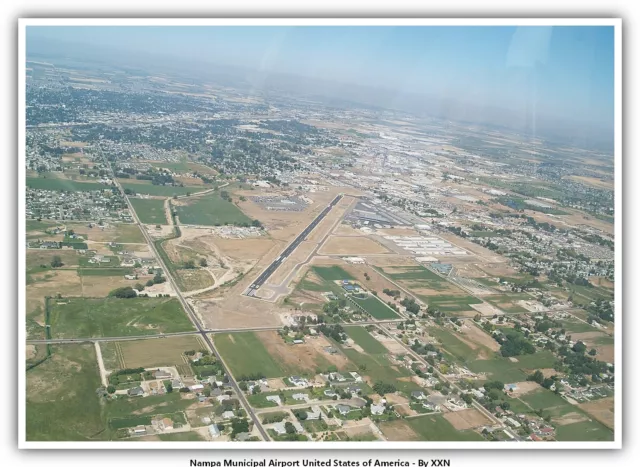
563, 72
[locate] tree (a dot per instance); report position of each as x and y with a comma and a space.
139, 287
123, 292
111, 389
592, 352
203, 262
149, 282
538, 377
189, 264
289, 428
56, 262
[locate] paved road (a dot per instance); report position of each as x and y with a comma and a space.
262, 278
187, 307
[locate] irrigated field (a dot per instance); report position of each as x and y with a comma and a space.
210, 209
365, 340
87, 317
61, 400
160, 190
149, 211
376, 308
61, 184
505, 370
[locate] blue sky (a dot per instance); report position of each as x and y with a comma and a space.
563, 72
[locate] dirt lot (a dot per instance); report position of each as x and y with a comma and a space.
466, 419
570, 418
299, 255
474, 334
276, 383
497, 269
302, 355
237, 311
524, 387
486, 309
606, 353
398, 430
100, 286
347, 230
157, 352
122, 233
601, 410
64, 282
356, 246
30, 351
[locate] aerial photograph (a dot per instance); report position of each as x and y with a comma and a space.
318, 234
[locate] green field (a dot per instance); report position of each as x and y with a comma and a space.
332, 273
109, 317
451, 303
584, 431
365, 340
416, 276
104, 271
61, 184
161, 190
149, 211
505, 370
437, 428
184, 436
453, 345
61, 400
211, 209
246, 355
573, 325
376, 308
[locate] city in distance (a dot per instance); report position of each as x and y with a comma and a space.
320, 234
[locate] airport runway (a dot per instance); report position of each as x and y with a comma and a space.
262, 278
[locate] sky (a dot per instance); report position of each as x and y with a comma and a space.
561, 72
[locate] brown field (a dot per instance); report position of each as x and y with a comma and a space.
307, 355
474, 334
100, 286
570, 418
602, 282
36, 257
327, 224
347, 230
466, 419
167, 351
602, 410
50, 283
606, 353
592, 181
237, 311
356, 246
497, 269
119, 233
300, 254
189, 181
244, 249
73, 144
523, 387
194, 279
398, 430
30, 351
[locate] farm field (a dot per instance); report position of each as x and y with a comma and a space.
62, 184
332, 273
351, 246
505, 370
365, 340
160, 190
210, 209
118, 233
147, 353
149, 211
506, 302
61, 400
87, 317
451, 344
103, 271
584, 431
437, 428
544, 399
376, 308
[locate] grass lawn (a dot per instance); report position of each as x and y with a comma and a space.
332, 273
246, 355
376, 308
437, 428
584, 431
149, 211
505, 370
211, 209
62, 184
572, 326
108, 317
365, 340
148, 188
61, 400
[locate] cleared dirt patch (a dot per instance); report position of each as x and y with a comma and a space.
100, 286
466, 419
486, 310
523, 388
302, 355
398, 430
478, 336
570, 418
357, 246
158, 352
602, 410
30, 351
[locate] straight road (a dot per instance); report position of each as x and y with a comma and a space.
262, 278
187, 306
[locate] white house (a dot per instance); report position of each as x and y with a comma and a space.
275, 399
214, 431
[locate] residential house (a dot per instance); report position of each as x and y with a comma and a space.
513, 423
214, 431
166, 424
243, 436
228, 415
275, 399
356, 377
298, 381
315, 413
377, 409
343, 409
279, 428
298, 341
418, 395
337, 376
176, 383
330, 393
196, 387
160, 374
353, 390
223, 397
137, 391
140, 429
301, 396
